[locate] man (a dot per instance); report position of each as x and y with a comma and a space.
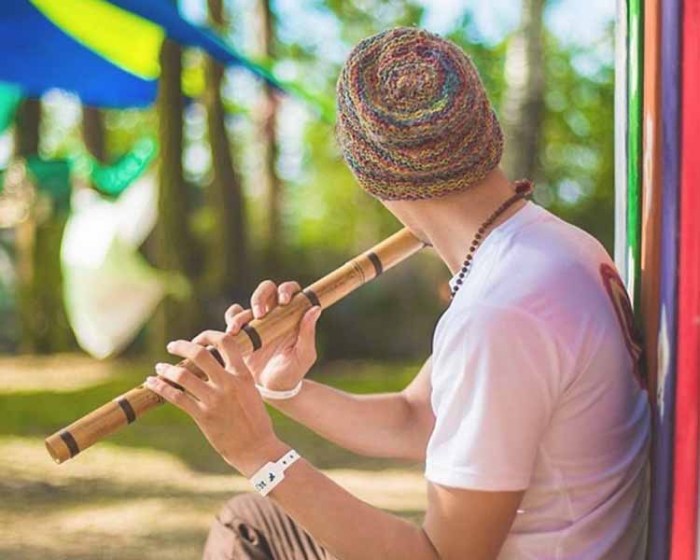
531, 415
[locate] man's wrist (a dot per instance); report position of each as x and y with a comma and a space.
251, 462
272, 473
269, 394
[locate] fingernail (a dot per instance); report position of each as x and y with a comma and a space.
257, 311
160, 367
284, 298
149, 380
169, 345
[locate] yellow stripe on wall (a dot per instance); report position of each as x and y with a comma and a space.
127, 40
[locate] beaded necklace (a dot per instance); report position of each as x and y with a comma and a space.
523, 187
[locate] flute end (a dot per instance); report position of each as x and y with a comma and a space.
57, 448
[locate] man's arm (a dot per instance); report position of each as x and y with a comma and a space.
459, 524
229, 411
395, 425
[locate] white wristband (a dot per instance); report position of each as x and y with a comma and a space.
271, 474
279, 395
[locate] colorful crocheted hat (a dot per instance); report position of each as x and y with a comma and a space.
414, 120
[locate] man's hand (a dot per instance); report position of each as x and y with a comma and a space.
227, 407
281, 365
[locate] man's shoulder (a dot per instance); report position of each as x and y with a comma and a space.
560, 243
552, 263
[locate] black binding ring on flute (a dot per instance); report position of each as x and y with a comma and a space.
253, 336
312, 297
128, 410
70, 442
374, 259
217, 355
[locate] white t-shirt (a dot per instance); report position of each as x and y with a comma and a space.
534, 387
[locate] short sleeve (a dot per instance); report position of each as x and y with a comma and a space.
495, 380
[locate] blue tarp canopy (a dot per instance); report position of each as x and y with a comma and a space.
39, 54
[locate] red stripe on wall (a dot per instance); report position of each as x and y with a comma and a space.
685, 495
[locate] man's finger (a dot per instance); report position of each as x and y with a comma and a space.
287, 290
174, 396
264, 298
199, 355
227, 347
232, 311
306, 339
238, 321
184, 378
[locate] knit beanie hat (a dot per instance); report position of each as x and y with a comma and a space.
414, 120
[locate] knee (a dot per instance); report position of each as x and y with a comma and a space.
248, 508
238, 531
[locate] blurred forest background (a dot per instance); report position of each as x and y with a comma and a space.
251, 185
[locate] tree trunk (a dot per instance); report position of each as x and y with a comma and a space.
27, 124
94, 132
227, 255
523, 104
171, 243
43, 323
267, 134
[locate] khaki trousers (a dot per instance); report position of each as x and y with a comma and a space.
250, 527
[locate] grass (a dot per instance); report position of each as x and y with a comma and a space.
152, 489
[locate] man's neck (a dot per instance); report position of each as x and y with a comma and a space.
455, 222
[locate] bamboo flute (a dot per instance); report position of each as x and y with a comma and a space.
126, 408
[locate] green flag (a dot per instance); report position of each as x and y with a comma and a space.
10, 96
